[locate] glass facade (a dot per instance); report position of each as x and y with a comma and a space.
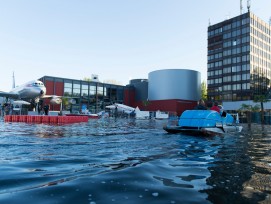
239, 58
92, 95
68, 88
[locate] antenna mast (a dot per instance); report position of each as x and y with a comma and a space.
13, 81
241, 7
248, 5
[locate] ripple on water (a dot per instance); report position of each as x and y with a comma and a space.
129, 161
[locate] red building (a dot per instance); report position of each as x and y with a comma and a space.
172, 90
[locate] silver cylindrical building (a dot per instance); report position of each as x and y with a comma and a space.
168, 84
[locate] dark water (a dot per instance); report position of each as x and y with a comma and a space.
128, 161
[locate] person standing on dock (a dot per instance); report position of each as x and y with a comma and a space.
46, 109
39, 109
6, 109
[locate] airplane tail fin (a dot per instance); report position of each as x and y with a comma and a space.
13, 81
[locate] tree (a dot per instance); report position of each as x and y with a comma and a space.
204, 90
248, 109
112, 81
65, 104
261, 99
65, 101
146, 103
87, 79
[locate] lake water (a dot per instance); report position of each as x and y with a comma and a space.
131, 161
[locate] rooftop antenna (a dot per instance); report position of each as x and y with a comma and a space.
241, 7
13, 81
248, 5
210, 21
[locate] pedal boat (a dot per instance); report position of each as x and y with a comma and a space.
204, 122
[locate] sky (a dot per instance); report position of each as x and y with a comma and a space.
118, 40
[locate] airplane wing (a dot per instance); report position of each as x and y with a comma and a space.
51, 96
56, 96
21, 102
10, 95
111, 106
54, 99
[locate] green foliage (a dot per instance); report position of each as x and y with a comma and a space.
255, 108
112, 81
65, 101
260, 99
87, 79
248, 109
204, 90
245, 108
146, 103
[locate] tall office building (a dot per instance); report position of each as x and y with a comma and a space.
239, 58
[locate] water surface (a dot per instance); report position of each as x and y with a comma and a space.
131, 161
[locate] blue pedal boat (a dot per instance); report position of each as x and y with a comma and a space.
206, 122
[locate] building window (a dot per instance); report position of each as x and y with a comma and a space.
92, 90
76, 90
227, 27
227, 79
244, 86
67, 89
84, 91
227, 70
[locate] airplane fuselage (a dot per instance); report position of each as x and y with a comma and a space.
30, 90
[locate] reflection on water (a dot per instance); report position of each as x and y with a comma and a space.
260, 154
243, 168
131, 161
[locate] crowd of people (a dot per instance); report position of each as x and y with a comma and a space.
43, 110
8, 109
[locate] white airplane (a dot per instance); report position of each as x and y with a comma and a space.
34, 90
121, 108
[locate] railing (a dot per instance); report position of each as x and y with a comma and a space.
256, 118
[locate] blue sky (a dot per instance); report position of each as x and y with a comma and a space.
116, 39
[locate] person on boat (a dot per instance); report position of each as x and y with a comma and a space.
215, 107
222, 112
201, 105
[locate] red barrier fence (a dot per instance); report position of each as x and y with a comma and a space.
45, 119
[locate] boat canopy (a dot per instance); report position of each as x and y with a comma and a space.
203, 118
